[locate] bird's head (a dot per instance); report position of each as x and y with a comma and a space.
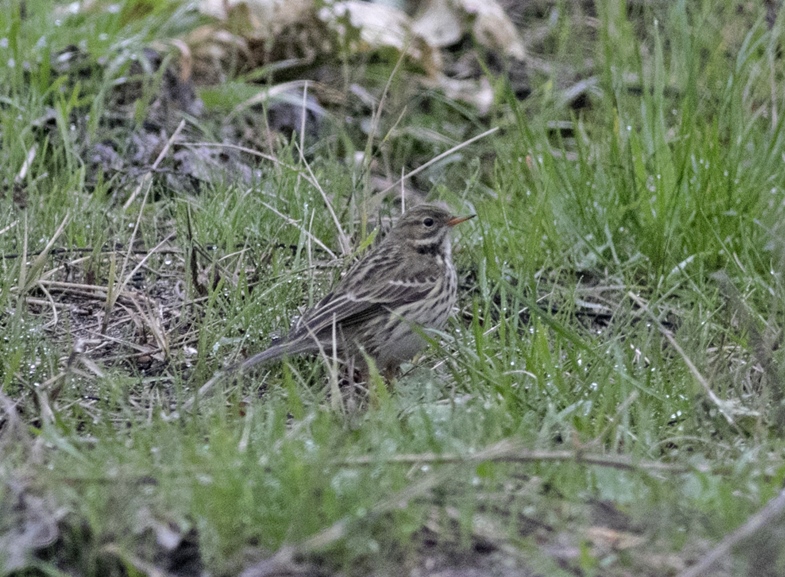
426, 225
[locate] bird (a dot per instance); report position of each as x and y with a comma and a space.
382, 305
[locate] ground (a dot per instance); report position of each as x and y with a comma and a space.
606, 400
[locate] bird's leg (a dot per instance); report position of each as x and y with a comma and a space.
353, 390
389, 373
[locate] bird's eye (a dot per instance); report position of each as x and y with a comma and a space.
428, 221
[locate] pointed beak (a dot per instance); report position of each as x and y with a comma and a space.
459, 219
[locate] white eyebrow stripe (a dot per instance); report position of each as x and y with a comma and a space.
406, 283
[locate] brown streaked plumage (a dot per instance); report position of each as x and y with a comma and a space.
405, 284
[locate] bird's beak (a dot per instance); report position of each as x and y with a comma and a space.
459, 219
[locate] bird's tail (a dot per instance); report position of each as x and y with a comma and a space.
267, 355
278, 351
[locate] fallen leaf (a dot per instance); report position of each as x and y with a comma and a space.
258, 19
439, 23
444, 22
492, 27
608, 538
381, 27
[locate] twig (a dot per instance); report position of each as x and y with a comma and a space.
89, 290
511, 452
770, 512
88, 250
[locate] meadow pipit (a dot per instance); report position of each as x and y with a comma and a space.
407, 283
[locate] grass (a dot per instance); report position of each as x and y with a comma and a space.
601, 382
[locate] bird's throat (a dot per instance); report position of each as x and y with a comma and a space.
433, 249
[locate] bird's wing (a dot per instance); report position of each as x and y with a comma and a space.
356, 304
